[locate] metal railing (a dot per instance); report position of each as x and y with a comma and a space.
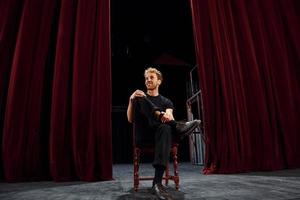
195, 110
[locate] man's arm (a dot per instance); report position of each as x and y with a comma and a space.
137, 93
167, 116
129, 111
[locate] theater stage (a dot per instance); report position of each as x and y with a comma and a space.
283, 185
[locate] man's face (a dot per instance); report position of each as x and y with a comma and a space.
151, 81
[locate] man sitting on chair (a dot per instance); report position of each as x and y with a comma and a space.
158, 111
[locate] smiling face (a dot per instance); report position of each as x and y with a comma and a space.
151, 81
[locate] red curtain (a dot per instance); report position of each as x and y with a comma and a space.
55, 90
248, 55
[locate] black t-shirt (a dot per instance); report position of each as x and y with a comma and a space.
162, 102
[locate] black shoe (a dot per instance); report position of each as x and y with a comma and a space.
186, 128
162, 188
157, 191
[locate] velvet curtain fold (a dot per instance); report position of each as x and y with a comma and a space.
55, 90
248, 62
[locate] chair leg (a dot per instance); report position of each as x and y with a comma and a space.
175, 166
136, 161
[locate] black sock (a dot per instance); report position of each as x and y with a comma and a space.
159, 172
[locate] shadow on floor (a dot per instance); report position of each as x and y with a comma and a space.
145, 193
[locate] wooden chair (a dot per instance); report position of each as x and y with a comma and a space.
148, 149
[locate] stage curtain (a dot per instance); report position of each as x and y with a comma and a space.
248, 57
55, 90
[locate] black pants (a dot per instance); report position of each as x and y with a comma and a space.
153, 130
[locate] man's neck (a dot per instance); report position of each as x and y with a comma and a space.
153, 93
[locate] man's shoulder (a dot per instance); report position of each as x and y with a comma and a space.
160, 98
164, 98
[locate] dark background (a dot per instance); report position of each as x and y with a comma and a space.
149, 33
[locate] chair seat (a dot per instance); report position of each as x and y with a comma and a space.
148, 149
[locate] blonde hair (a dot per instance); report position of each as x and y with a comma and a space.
154, 70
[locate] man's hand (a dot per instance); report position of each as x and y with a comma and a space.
137, 93
166, 117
